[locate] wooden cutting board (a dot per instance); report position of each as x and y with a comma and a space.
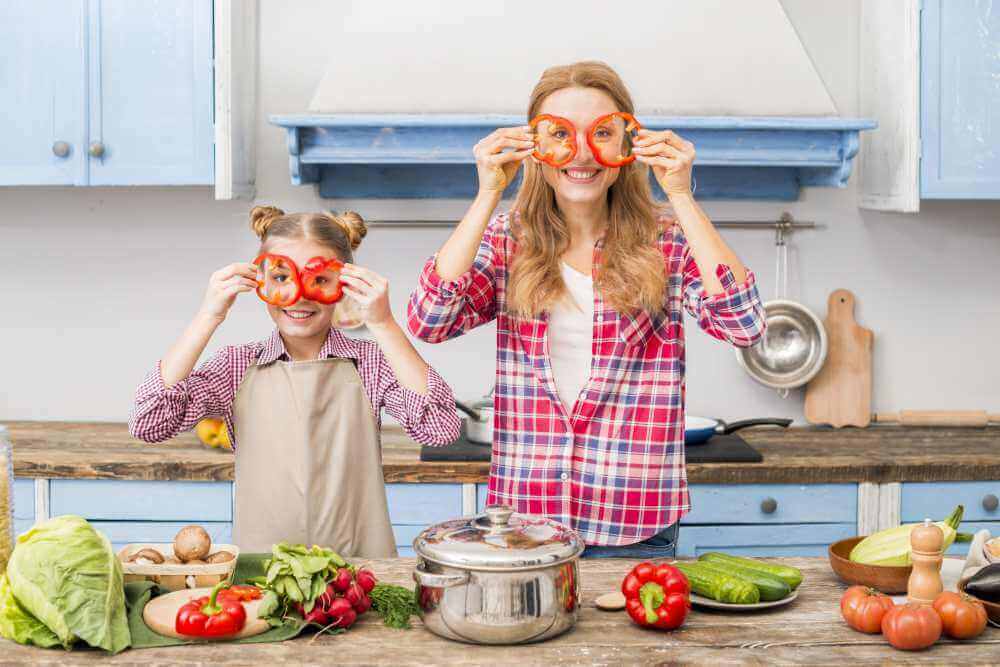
841, 394
161, 612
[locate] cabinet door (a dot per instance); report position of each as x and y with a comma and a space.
960, 100
151, 92
42, 89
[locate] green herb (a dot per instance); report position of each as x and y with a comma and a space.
394, 604
295, 575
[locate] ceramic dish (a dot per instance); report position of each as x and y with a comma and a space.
700, 601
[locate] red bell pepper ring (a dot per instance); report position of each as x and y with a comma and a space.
657, 596
212, 616
321, 280
278, 281
610, 135
555, 140
241, 593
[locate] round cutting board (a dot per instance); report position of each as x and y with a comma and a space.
161, 612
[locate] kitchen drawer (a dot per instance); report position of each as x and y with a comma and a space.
793, 503
24, 499
423, 504
121, 533
811, 539
962, 548
936, 500
126, 500
404, 538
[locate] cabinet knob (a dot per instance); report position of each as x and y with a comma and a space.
990, 502
96, 149
60, 149
769, 506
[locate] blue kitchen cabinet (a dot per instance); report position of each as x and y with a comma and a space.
24, 505
107, 92
960, 100
936, 500
413, 507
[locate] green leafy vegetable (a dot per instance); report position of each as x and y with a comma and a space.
394, 604
295, 575
18, 625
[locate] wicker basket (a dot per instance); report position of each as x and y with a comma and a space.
174, 576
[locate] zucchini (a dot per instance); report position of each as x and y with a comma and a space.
771, 587
790, 575
710, 583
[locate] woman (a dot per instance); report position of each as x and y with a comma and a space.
587, 279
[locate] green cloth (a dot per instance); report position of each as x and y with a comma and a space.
137, 594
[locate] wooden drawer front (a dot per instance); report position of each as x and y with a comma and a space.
121, 533
423, 504
121, 500
764, 541
24, 499
792, 503
936, 500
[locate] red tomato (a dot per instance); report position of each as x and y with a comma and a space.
863, 608
912, 627
961, 616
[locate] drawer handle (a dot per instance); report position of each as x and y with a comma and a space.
990, 502
60, 149
96, 149
769, 506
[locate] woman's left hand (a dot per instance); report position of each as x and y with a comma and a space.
671, 157
370, 292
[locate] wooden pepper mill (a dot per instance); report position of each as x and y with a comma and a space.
926, 546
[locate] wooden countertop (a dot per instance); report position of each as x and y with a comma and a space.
808, 631
792, 456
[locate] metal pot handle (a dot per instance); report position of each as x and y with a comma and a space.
432, 580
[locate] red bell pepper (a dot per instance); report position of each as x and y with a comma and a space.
241, 593
657, 596
321, 280
555, 140
278, 281
212, 616
610, 154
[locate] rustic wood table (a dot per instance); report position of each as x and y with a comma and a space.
808, 631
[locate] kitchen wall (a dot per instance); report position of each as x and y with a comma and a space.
98, 282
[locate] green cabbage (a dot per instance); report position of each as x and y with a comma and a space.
18, 625
64, 574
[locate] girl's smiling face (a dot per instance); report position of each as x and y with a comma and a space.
304, 318
584, 179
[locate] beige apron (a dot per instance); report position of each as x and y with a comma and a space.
309, 460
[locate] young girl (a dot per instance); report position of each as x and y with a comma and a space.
303, 405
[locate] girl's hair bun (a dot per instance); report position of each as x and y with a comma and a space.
262, 217
354, 226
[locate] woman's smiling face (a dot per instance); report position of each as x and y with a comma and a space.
584, 179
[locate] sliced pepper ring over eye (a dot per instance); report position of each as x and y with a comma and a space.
610, 138
321, 280
555, 140
278, 280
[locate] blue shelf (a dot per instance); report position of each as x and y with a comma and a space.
430, 156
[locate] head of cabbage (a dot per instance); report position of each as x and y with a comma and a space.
63, 584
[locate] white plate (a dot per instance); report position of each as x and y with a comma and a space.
713, 604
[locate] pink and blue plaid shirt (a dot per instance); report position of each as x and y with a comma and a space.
612, 465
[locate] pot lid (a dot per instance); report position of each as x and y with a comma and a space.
498, 539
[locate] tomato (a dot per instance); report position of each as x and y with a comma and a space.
911, 627
863, 608
962, 616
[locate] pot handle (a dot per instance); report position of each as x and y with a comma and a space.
766, 421
472, 412
432, 580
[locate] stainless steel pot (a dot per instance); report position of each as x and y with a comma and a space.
478, 424
498, 578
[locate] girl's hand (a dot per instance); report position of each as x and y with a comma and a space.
495, 165
670, 156
223, 287
371, 293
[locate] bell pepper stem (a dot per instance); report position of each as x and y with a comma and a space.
213, 608
955, 518
651, 595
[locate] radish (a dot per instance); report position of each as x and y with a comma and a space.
341, 580
363, 605
366, 579
341, 614
353, 595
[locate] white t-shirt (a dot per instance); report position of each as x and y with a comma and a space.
571, 336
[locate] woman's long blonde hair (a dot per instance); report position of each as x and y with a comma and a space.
631, 275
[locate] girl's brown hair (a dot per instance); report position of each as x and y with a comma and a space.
631, 274
341, 233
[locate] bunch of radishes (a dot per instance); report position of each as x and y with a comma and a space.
345, 598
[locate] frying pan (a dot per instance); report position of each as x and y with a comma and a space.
697, 430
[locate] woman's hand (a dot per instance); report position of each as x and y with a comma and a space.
223, 287
495, 164
671, 157
370, 292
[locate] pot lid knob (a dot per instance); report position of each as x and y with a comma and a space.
499, 515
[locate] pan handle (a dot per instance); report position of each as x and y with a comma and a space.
744, 423
472, 412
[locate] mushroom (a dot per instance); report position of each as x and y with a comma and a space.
192, 543
145, 557
219, 557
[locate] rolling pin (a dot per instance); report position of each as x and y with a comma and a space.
970, 418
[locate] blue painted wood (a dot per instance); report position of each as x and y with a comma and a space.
128, 500
22, 526
24, 499
960, 100
962, 548
481, 491
43, 80
405, 534
786, 540
741, 504
936, 500
420, 155
151, 92
121, 533
422, 504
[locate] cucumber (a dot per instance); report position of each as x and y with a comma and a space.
710, 583
771, 588
789, 575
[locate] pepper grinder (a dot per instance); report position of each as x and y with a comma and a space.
926, 546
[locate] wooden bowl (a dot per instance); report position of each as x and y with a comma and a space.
992, 608
891, 579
